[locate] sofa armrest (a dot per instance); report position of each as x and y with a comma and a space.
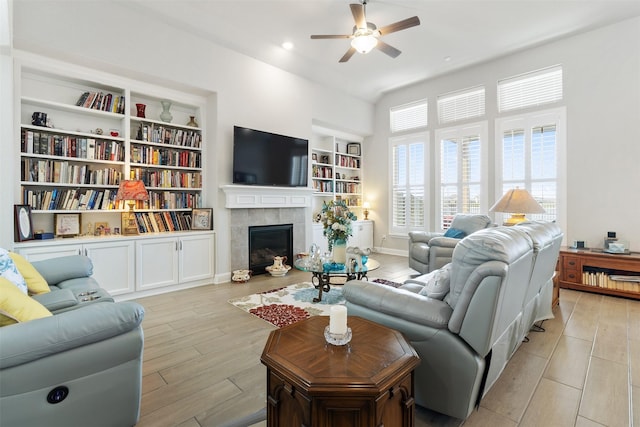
444, 242
400, 303
24, 342
422, 236
56, 270
57, 300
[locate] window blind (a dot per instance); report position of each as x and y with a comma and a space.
408, 116
461, 105
530, 89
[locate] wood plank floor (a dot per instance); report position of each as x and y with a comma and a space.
202, 361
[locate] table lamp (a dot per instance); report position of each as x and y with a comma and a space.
130, 191
366, 206
517, 202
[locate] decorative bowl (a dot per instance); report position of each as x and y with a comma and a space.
278, 272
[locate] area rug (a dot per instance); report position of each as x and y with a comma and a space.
290, 304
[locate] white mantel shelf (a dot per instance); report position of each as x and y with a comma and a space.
254, 196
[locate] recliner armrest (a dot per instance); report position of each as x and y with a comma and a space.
24, 342
57, 300
400, 303
422, 236
444, 242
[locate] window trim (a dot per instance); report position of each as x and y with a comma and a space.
532, 119
480, 128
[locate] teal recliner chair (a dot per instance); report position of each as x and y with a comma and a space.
80, 367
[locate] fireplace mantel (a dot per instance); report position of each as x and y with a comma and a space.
254, 196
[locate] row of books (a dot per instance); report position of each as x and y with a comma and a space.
102, 101
70, 199
322, 172
167, 178
323, 186
347, 162
602, 279
165, 157
53, 144
159, 222
172, 200
151, 132
347, 187
63, 172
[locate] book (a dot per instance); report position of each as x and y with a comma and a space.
82, 99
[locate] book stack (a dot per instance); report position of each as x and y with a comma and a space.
102, 101
161, 222
71, 146
70, 199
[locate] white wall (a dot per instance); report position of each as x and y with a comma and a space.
114, 38
602, 99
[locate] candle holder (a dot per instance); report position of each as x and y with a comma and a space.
337, 339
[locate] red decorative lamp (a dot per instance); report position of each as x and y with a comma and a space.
131, 191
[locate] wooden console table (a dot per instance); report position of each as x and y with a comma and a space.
592, 271
368, 382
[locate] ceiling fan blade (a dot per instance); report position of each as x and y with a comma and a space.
358, 15
330, 36
388, 49
400, 25
348, 55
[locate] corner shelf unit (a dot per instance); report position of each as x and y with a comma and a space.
336, 166
92, 139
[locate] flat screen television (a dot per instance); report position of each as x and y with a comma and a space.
269, 159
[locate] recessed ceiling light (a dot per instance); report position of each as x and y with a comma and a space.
287, 45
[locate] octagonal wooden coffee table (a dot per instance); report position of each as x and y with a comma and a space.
368, 382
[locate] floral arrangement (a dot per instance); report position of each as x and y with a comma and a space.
336, 220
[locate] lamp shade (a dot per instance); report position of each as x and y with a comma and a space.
518, 202
364, 42
132, 190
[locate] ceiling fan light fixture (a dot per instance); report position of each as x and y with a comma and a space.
364, 43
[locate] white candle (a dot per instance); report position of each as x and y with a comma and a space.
338, 320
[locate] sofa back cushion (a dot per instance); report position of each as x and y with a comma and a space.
470, 223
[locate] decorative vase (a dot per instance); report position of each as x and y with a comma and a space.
192, 121
166, 116
340, 251
140, 110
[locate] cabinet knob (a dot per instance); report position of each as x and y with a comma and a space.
572, 263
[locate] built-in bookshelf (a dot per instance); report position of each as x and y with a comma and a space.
336, 166
81, 136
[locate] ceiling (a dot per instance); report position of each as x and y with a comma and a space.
453, 33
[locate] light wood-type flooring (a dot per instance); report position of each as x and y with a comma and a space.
202, 361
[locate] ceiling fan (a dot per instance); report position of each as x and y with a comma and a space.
365, 35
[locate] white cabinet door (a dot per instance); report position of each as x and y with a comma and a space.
196, 257
362, 234
319, 238
113, 265
46, 252
156, 262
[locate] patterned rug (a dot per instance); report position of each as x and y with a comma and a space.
290, 304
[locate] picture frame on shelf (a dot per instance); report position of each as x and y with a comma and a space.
324, 159
353, 148
23, 224
202, 219
67, 225
314, 157
338, 175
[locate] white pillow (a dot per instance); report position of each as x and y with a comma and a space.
437, 283
9, 271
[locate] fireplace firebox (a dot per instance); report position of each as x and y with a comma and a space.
268, 241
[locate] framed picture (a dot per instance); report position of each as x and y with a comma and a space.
67, 225
22, 222
202, 219
353, 148
337, 175
101, 228
314, 157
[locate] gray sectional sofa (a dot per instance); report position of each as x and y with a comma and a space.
80, 367
500, 284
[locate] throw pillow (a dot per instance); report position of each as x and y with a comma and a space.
36, 284
15, 306
9, 271
437, 283
455, 233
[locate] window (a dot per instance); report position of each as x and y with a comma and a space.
530, 89
530, 154
460, 105
408, 186
408, 116
461, 173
